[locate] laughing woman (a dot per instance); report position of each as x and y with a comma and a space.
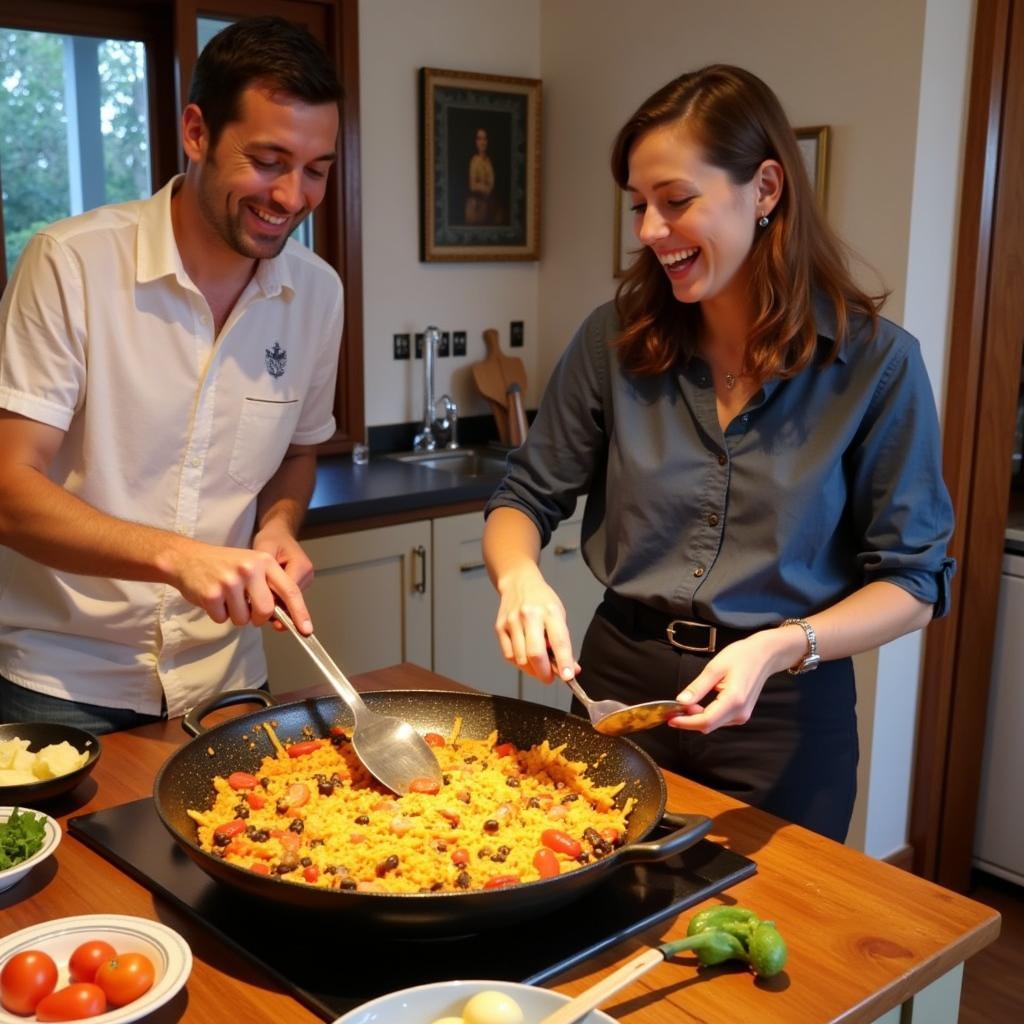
760, 450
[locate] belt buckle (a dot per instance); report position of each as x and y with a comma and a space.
708, 648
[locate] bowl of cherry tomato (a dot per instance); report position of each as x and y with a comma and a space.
110, 968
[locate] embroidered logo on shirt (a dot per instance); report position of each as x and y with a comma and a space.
276, 360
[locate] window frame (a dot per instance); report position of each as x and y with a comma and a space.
167, 28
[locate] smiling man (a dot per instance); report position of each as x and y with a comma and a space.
165, 368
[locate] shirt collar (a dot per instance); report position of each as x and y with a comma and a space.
157, 252
824, 315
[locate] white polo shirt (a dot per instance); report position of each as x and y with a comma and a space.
103, 335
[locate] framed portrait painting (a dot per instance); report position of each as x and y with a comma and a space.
480, 160
813, 143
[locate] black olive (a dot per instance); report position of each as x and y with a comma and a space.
324, 788
347, 884
491, 826
221, 840
315, 842
570, 798
462, 880
533, 802
363, 819
330, 870
241, 811
261, 836
296, 825
470, 759
441, 847
306, 861
505, 850
437, 886
265, 782
386, 865
446, 779
500, 858
512, 781
484, 851
583, 858
283, 868
282, 807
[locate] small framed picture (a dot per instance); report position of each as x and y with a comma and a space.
626, 244
480, 144
813, 143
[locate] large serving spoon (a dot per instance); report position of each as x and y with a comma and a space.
613, 718
393, 752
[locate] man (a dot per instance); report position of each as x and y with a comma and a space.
166, 366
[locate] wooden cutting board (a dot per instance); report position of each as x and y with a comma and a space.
493, 375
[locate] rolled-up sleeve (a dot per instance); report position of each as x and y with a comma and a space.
901, 509
567, 442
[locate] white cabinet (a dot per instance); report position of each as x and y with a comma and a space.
370, 601
465, 607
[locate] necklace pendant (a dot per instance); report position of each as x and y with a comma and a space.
730, 381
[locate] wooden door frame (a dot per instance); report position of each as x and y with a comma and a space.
980, 410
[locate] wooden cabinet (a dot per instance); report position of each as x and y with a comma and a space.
370, 601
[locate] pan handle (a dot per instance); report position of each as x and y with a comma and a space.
689, 829
192, 722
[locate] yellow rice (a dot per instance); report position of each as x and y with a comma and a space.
484, 825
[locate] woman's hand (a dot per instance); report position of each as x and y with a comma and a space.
531, 626
736, 675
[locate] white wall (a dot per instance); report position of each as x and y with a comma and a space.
890, 80
402, 295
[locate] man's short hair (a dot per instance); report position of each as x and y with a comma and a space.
269, 51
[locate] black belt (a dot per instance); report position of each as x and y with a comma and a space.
690, 635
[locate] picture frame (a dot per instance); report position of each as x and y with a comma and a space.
814, 148
480, 145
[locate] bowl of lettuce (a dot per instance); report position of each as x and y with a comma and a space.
27, 838
39, 760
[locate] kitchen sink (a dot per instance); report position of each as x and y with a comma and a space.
461, 462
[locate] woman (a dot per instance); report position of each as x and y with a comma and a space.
480, 201
761, 453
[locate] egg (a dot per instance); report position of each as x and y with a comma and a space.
492, 1008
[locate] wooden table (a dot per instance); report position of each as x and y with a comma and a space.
864, 937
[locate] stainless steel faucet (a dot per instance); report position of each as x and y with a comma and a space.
446, 426
425, 441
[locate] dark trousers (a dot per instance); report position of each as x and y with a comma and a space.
796, 756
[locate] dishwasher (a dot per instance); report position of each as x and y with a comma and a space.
999, 837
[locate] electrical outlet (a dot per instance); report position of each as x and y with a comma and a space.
419, 346
459, 343
401, 346
515, 334
444, 346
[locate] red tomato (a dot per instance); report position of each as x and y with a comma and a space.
73, 1002
610, 835
256, 801
460, 857
304, 748
230, 828
504, 749
242, 780
125, 978
546, 863
424, 786
311, 874
297, 795
26, 978
560, 842
500, 881
434, 739
88, 958
259, 869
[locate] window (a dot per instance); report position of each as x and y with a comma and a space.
90, 94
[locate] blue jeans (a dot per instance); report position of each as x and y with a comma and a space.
18, 704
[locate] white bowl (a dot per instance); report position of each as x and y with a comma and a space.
169, 952
51, 840
426, 1003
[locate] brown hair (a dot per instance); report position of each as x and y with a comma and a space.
739, 123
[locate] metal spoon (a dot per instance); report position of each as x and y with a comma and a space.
392, 750
613, 718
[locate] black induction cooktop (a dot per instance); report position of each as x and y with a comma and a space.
333, 977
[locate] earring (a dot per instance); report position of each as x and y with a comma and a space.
763, 222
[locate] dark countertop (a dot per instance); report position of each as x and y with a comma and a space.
383, 486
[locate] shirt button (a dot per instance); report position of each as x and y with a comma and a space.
703, 382
196, 463
722, 460
713, 519
699, 571
204, 319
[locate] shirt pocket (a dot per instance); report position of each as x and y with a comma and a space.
265, 430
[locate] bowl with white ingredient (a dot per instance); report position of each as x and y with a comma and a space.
466, 1002
40, 760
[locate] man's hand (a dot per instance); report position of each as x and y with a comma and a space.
278, 542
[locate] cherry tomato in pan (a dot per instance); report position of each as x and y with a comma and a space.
26, 979
500, 881
504, 749
126, 977
259, 868
546, 863
87, 959
297, 794
242, 780
73, 1002
256, 801
560, 842
230, 828
304, 748
424, 785
434, 739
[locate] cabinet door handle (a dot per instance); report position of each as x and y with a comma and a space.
562, 549
471, 566
420, 552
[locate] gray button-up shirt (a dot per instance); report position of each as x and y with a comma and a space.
823, 483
